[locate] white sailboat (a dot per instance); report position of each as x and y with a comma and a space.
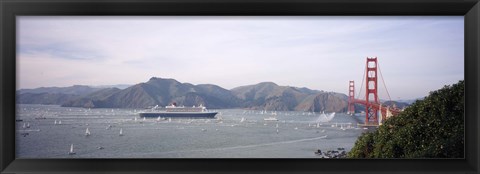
55, 123
158, 119
242, 120
28, 125
24, 126
121, 132
60, 122
87, 132
71, 150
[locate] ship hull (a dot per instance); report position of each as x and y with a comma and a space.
179, 114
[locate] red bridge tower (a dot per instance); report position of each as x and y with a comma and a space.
371, 112
351, 97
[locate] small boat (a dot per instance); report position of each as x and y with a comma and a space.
24, 126
60, 122
121, 132
270, 119
28, 125
87, 132
71, 150
277, 131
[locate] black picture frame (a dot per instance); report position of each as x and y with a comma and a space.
470, 9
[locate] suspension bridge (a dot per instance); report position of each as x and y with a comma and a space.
375, 113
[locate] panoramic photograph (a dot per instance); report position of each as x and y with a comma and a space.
322, 87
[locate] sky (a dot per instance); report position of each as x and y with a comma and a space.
416, 54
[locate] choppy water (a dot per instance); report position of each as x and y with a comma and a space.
298, 135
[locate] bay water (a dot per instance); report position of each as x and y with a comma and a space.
48, 131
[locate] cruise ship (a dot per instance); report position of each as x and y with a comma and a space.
178, 111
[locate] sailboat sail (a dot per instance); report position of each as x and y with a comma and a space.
71, 150
87, 132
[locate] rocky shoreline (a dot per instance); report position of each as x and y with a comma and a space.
339, 153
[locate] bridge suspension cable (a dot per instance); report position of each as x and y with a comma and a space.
384, 85
363, 79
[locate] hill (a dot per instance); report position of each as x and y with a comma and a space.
270, 96
74, 90
163, 91
44, 98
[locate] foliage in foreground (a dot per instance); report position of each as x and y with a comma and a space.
429, 128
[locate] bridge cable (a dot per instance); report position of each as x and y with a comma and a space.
384, 85
363, 79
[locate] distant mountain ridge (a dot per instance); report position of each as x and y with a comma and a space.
53, 95
74, 90
164, 91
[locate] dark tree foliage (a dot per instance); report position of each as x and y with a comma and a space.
429, 128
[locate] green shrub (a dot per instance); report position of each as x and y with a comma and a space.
429, 128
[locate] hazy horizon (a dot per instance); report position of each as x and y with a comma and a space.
416, 54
